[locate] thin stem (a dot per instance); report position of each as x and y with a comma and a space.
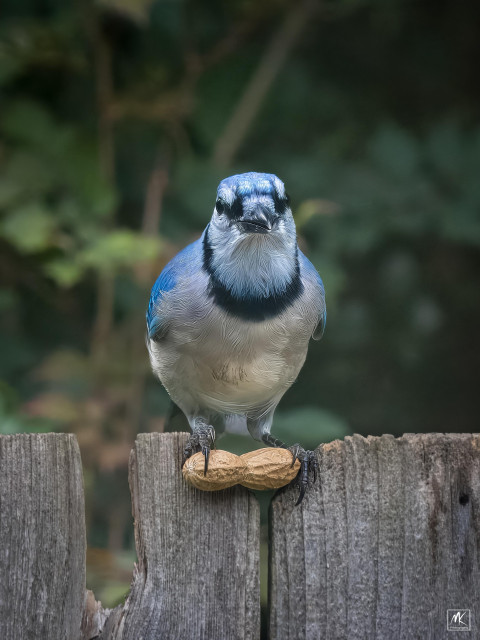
103, 322
257, 89
156, 187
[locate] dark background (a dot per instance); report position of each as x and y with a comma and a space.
119, 118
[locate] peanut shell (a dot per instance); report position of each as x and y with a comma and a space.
269, 468
225, 469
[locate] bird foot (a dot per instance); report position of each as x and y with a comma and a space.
308, 464
202, 439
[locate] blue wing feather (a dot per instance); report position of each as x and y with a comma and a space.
308, 267
167, 281
320, 329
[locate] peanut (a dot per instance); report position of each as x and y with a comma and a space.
260, 469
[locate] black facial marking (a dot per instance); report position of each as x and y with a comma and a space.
252, 308
233, 211
207, 252
281, 203
236, 209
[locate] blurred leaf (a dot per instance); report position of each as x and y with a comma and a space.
61, 365
10, 191
309, 426
310, 208
65, 272
82, 173
118, 249
135, 9
29, 122
8, 399
29, 228
12, 420
55, 407
10, 424
25, 175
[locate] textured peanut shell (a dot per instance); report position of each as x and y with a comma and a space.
269, 468
260, 469
224, 470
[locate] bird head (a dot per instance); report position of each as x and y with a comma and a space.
251, 244
253, 203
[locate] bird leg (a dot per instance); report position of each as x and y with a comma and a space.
201, 439
308, 462
274, 442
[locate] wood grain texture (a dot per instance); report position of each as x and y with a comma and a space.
94, 617
385, 542
42, 537
198, 554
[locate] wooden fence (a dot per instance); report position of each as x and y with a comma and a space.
384, 545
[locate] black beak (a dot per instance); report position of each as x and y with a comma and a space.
260, 221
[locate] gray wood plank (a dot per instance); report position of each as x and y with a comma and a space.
198, 554
42, 537
383, 545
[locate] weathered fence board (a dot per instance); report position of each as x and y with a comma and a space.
198, 554
42, 538
384, 544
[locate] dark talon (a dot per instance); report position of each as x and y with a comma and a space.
308, 461
202, 439
309, 464
206, 453
295, 452
211, 436
302, 493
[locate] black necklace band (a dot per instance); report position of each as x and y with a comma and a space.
252, 308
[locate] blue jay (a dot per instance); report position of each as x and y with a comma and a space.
230, 317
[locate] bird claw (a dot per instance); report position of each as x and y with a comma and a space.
308, 463
202, 439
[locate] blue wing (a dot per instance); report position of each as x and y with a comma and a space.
308, 267
320, 328
180, 265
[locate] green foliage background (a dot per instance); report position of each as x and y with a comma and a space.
119, 118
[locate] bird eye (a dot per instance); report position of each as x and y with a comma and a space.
220, 207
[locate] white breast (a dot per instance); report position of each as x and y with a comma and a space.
228, 365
